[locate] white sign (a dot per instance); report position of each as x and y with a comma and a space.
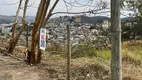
42, 39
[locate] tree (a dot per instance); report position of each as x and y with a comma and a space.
15, 39
40, 21
43, 14
16, 19
134, 29
134, 6
126, 32
116, 61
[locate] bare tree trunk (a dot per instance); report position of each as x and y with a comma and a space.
116, 61
39, 22
42, 24
16, 19
50, 12
15, 39
34, 32
39, 55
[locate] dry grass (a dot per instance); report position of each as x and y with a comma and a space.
132, 59
94, 68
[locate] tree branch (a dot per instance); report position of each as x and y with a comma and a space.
50, 11
91, 12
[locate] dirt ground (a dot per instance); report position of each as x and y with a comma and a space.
53, 67
13, 69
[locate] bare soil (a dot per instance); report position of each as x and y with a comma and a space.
53, 67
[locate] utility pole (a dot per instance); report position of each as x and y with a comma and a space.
116, 61
68, 54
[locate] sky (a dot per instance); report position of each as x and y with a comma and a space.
9, 7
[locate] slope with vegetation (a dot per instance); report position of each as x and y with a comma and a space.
89, 64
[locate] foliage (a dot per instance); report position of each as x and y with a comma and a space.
131, 31
131, 52
56, 48
84, 50
126, 31
133, 5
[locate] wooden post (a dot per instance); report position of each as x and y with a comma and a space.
116, 61
68, 54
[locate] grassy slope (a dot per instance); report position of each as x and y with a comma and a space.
98, 67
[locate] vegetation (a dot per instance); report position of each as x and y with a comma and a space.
131, 52
86, 59
94, 50
131, 29
97, 66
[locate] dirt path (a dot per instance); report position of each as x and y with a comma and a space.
12, 69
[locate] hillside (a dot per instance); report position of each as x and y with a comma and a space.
10, 19
93, 20
62, 19
84, 19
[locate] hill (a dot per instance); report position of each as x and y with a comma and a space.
81, 18
93, 20
10, 19
62, 19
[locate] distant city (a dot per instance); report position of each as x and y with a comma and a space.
82, 27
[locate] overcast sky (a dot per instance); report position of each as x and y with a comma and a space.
9, 7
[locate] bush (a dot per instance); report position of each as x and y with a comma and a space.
56, 48
83, 51
86, 49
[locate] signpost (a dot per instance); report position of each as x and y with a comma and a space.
42, 39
